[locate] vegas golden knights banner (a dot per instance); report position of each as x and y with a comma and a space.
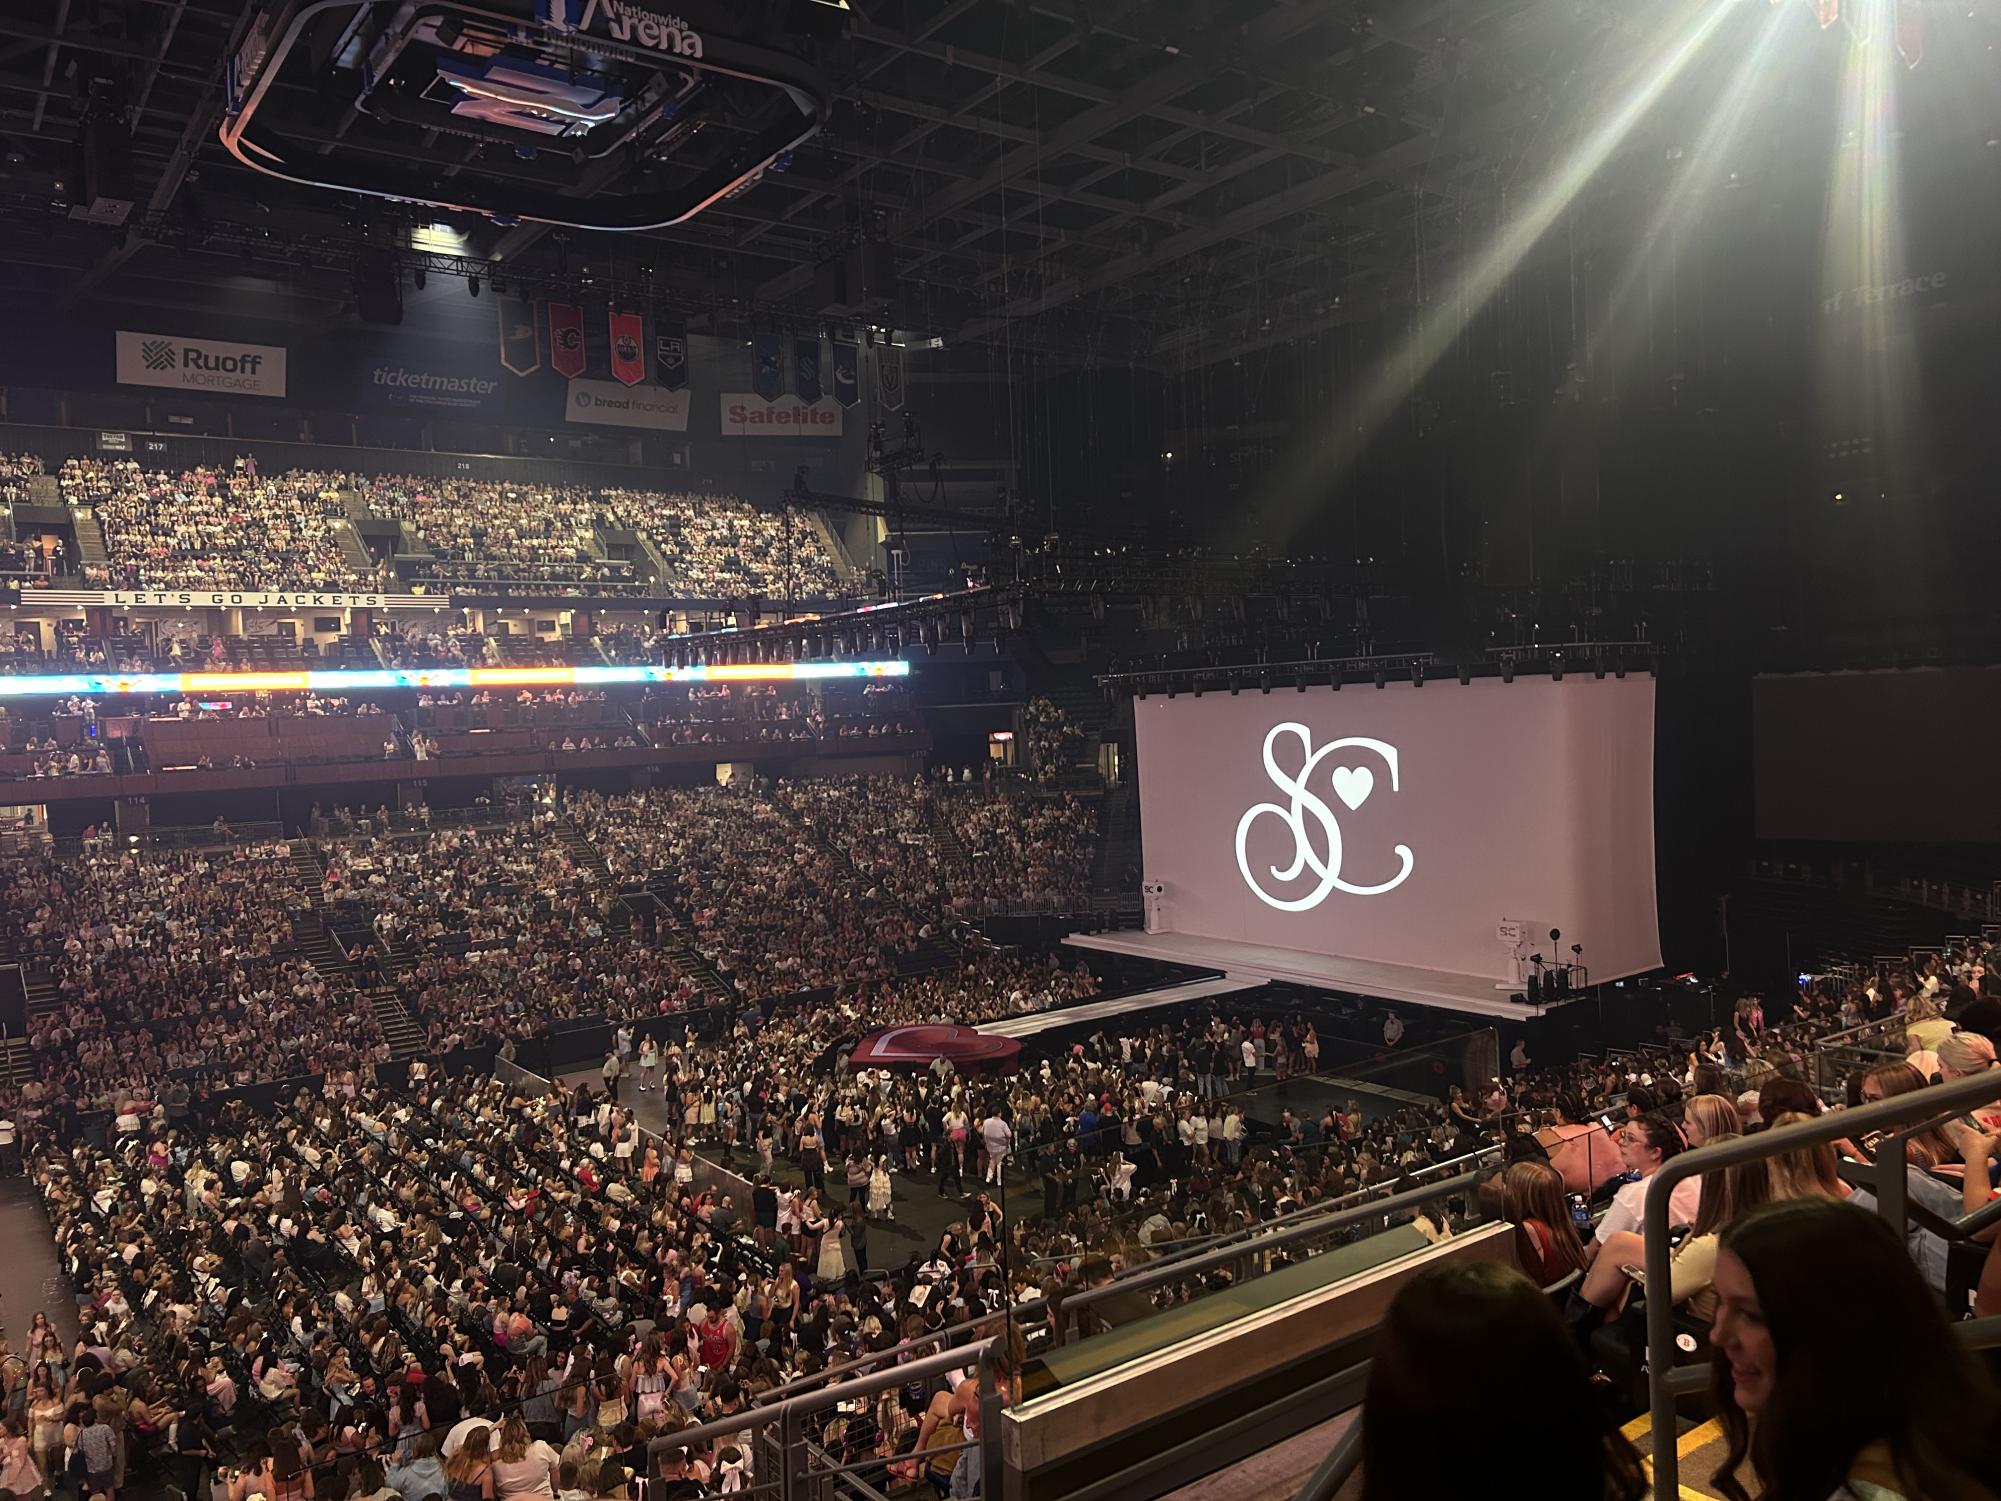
889, 378
520, 342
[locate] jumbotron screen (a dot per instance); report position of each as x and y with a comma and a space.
1402, 825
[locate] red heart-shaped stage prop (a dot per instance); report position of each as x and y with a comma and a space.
915, 1047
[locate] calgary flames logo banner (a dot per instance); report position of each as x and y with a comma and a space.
566, 338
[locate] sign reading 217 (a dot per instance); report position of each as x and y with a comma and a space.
1312, 821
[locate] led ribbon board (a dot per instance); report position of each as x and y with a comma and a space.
353, 680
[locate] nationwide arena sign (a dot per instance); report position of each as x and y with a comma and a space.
361, 680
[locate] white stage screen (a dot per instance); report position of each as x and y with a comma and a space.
1402, 824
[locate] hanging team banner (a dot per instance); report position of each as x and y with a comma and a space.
670, 356
806, 369
889, 378
767, 367
520, 342
566, 338
628, 361
847, 373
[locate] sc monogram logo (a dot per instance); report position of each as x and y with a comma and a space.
1312, 822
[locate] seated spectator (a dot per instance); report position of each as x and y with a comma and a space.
1837, 1375
1547, 1246
1459, 1318
1707, 1116
1947, 1172
1645, 1144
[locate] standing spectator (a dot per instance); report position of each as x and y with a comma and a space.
997, 1138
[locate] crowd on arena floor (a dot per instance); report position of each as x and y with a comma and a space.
352, 1235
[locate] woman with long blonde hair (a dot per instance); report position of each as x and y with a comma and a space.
524, 1467
1705, 1117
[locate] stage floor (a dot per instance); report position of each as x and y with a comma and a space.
1251, 962
1090, 1011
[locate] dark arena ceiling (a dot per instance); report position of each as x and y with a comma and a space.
1162, 182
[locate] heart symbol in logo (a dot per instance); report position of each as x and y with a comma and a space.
1353, 784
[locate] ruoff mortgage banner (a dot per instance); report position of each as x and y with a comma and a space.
222, 366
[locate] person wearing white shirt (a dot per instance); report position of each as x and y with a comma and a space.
1644, 1145
998, 1138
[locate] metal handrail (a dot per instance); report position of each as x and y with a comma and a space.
789, 1415
1360, 1196
1333, 1472
1153, 1275
1954, 1098
1120, 1281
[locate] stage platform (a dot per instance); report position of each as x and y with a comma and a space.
1251, 962
1117, 1006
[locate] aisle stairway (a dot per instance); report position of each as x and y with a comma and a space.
406, 1039
676, 940
309, 930
931, 953
310, 872
352, 550
672, 937
90, 551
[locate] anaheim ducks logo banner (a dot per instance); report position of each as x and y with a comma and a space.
628, 356
520, 342
566, 338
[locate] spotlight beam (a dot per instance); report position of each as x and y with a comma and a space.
1693, 23
1701, 168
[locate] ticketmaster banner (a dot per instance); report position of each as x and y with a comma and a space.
610, 404
225, 367
439, 388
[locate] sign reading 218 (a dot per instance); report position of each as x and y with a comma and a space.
1312, 822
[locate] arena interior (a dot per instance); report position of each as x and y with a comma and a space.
858, 749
